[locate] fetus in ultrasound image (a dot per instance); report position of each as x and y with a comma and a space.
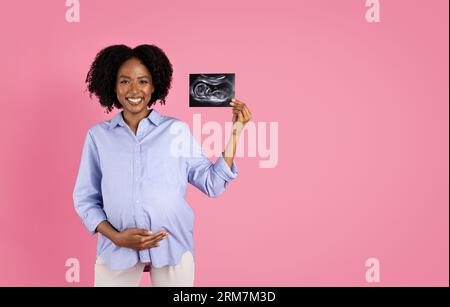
211, 90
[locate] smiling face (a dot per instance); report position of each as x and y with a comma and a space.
134, 87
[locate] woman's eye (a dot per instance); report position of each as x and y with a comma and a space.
144, 82
123, 81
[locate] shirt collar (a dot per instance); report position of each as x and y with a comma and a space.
155, 117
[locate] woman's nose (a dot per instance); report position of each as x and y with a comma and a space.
133, 87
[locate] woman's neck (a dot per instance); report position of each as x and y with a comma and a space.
132, 120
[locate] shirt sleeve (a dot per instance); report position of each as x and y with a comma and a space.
87, 195
210, 178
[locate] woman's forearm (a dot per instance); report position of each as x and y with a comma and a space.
230, 150
106, 229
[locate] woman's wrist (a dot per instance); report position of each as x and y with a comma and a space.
115, 238
106, 229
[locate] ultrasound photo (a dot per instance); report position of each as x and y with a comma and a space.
211, 90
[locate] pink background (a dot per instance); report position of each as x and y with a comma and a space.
363, 136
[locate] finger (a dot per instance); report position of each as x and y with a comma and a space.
159, 236
241, 116
144, 232
152, 243
144, 238
247, 108
246, 114
159, 233
149, 244
235, 102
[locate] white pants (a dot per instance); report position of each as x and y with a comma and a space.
180, 275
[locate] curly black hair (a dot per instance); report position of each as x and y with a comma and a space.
102, 75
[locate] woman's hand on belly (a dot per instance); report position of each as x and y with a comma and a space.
138, 238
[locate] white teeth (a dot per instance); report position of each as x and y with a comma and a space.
135, 100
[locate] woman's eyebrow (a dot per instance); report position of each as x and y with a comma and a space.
140, 77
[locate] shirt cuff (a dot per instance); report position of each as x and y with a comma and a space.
93, 218
223, 170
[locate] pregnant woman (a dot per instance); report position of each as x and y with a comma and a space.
135, 168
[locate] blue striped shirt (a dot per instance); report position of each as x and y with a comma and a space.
140, 181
